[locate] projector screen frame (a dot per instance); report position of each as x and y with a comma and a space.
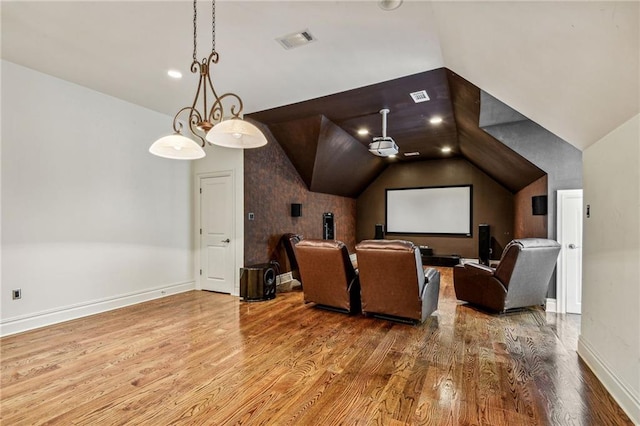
440, 234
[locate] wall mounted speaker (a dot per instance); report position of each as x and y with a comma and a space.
539, 205
379, 232
484, 243
296, 210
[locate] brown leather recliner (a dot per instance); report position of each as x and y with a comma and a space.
520, 280
289, 241
328, 276
394, 282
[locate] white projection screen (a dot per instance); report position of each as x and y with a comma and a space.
432, 210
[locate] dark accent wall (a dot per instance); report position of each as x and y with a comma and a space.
271, 184
526, 225
492, 204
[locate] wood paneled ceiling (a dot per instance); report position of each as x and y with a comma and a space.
321, 138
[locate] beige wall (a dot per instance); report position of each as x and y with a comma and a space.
610, 333
90, 220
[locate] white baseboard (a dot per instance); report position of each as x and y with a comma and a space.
53, 316
624, 396
551, 305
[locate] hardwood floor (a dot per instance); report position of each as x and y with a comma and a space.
206, 358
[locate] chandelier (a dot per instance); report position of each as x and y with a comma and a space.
213, 124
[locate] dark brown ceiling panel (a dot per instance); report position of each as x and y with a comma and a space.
343, 166
320, 136
299, 140
327, 158
483, 150
408, 122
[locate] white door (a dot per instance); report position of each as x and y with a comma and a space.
216, 234
569, 277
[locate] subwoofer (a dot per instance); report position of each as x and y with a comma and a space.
258, 282
484, 243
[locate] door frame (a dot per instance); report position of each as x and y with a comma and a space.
561, 284
237, 227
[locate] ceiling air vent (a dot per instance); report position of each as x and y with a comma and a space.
298, 39
420, 96
411, 154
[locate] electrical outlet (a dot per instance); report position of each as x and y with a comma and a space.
16, 294
251, 216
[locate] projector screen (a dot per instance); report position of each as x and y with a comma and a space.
432, 210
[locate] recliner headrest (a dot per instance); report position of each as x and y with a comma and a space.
398, 245
332, 244
533, 243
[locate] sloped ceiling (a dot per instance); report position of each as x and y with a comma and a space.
572, 67
321, 138
326, 157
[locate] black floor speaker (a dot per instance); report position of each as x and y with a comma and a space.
258, 282
484, 243
379, 235
328, 227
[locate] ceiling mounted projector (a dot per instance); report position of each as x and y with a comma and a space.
383, 146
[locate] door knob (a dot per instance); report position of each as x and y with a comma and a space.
226, 241
572, 246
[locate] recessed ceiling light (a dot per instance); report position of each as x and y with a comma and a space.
435, 120
174, 74
363, 132
446, 150
392, 156
411, 154
389, 4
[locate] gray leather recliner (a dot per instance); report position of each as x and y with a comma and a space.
521, 279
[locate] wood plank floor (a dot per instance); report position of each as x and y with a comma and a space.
208, 359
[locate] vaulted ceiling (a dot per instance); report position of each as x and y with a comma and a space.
321, 138
570, 66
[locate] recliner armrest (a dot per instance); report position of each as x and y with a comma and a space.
479, 269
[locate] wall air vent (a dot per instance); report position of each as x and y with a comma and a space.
298, 39
420, 96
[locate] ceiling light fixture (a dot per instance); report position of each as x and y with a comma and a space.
214, 125
446, 150
363, 132
174, 74
435, 120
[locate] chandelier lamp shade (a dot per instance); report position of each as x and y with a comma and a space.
218, 123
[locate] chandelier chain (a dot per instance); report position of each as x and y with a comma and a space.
195, 30
213, 25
